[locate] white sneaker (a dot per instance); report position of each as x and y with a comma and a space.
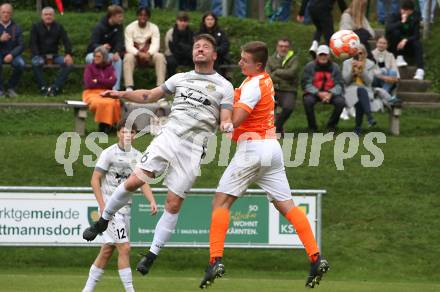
400, 61
351, 112
420, 74
344, 114
314, 48
129, 88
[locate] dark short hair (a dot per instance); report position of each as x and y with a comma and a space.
122, 123
114, 10
144, 9
407, 5
283, 39
206, 37
183, 16
258, 50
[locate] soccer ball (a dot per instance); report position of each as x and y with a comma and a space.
344, 43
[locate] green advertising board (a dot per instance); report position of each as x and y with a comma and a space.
254, 222
248, 220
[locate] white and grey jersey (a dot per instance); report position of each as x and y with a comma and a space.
198, 99
117, 165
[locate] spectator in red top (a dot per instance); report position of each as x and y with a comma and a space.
99, 77
322, 82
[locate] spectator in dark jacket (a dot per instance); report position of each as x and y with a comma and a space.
46, 36
322, 82
99, 76
282, 67
403, 34
210, 26
322, 17
178, 44
11, 48
110, 34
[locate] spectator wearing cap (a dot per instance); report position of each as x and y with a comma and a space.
322, 82
282, 67
142, 42
46, 36
178, 44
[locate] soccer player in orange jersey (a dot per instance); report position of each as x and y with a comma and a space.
258, 159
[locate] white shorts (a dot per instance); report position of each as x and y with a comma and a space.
260, 162
175, 159
117, 230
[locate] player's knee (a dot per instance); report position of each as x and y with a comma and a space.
133, 183
124, 250
107, 251
172, 205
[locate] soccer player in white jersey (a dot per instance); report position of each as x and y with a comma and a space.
202, 100
114, 166
258, 159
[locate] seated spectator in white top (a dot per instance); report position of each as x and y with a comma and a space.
387, 75
178, 44
142, 43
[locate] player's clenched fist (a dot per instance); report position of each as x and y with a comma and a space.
226, 127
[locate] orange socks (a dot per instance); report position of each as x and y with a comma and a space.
217, 233
302, 226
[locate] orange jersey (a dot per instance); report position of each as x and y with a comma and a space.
256, 96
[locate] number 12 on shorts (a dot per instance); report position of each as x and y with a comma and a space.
121, 233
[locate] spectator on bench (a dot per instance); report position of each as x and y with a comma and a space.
322, 82
210, 26
11, 48
403, 33
178, 44
108, 32
282, 67
358, 73
387, 74
99, 77
142, 42
46, 36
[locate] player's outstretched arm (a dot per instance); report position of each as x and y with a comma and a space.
139, 96
148, 193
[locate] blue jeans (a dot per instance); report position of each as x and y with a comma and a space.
190, 5
117, 65
37, 68
100, 3
385, 8
147, 3
424, 10
240, 8
17, 65
389, 87
307, 18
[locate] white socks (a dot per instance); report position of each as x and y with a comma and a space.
127, 280
118, 199
164, 228
95, 274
